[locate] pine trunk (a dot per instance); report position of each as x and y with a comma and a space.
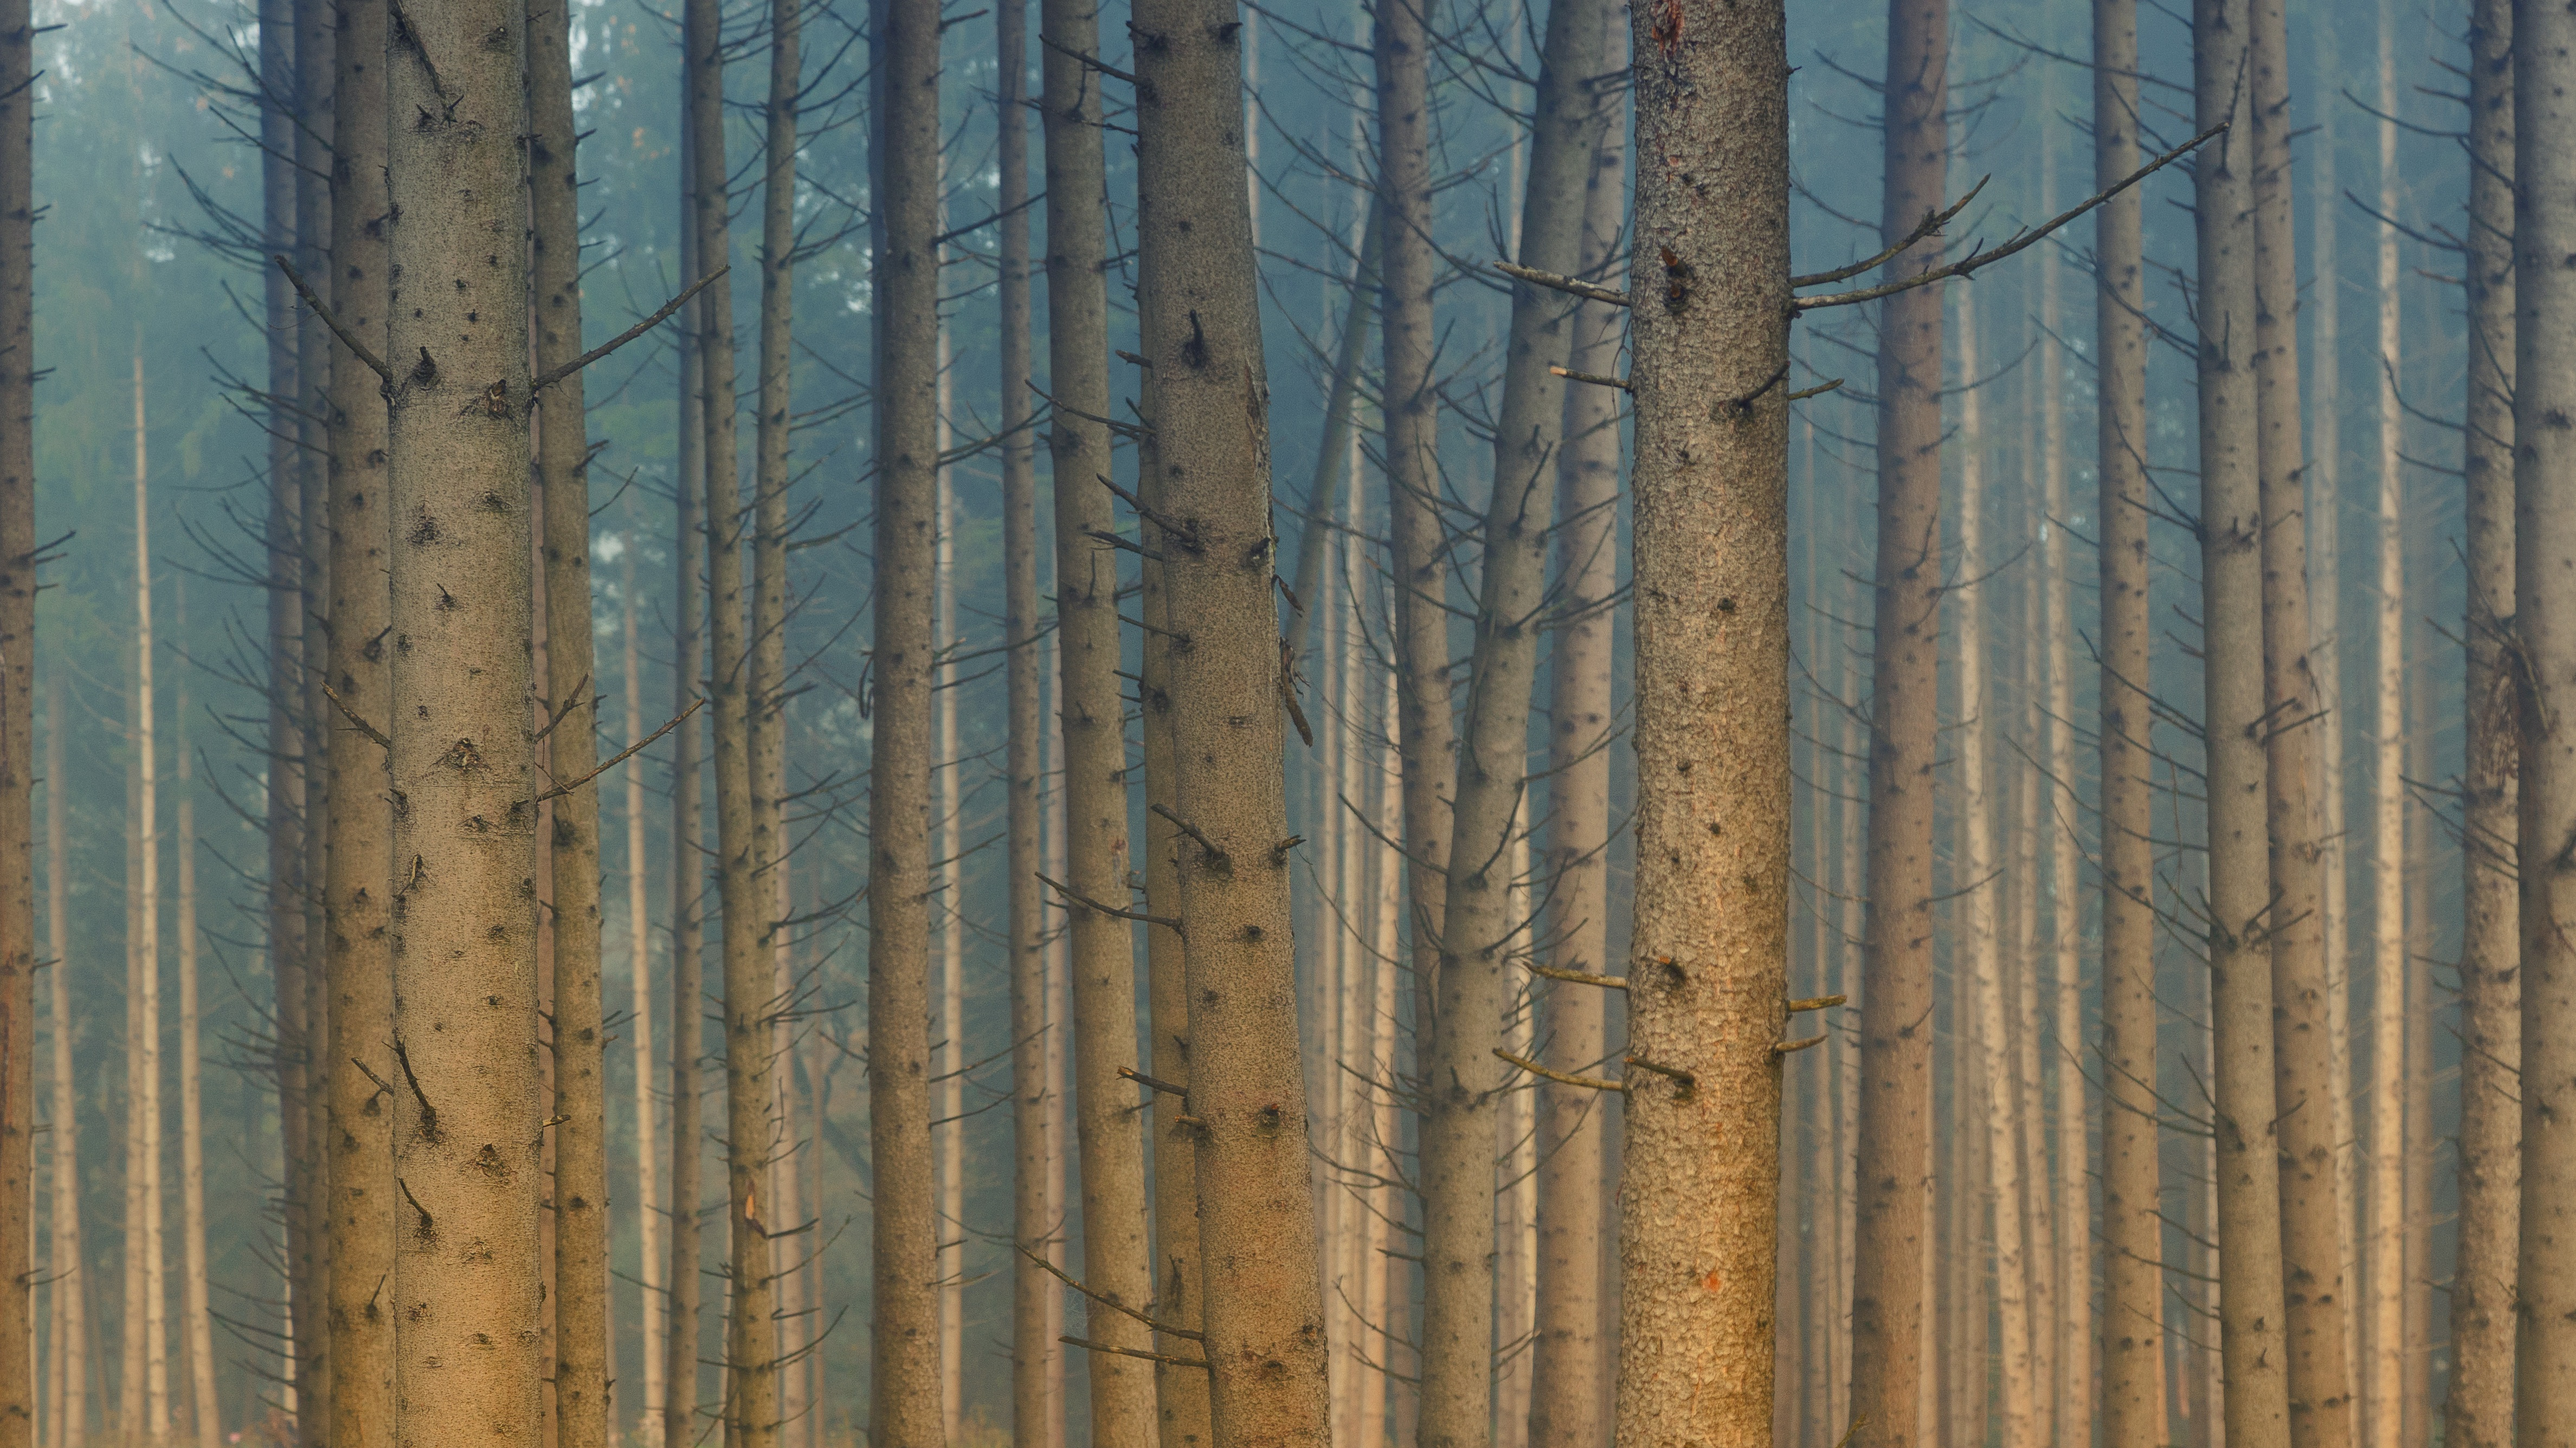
72, 1329
18, 727
651, 1212
2385, 1211
147, 1342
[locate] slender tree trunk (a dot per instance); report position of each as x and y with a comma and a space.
1479, 925
1263, 1296
1699, 1181
1896, 961
2302, 1044
2384, 1366
71, 1281
1568, 1397
469, 1117
2251, 1319
688, 871
906, 1396
132, 1426
17, 727
948, 1103
650, 1209
143, 1104
2478, 1411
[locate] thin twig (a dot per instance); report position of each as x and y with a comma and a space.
623, 755
1595, 378
553, 375
1580, 977
374, 363
370, 730
1112, 1303
1574, 286
1113, 911
1133, 1352
1592, 1083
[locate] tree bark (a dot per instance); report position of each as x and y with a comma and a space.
651, 1212
579, 1036
2251, 1319
1896, 958
1117, 1255
948, 835
2478, 1411
1568, 1397
145, 1261
357, 928
1700, 1167
469, 1116
70, 1372
2385, 1211
17, 727
1263, 1296
906, 1397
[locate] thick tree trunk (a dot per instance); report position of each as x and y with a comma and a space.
1568, 1396
906, 1396
1263, 1296
70, 1368
2478, 1411
688, 871
583, 1355
650, 1209
469, 1118
2132, 1322
1117, 1254
357, 927
2251, 1320
1700, 1169
1476, 983
2384, 1364
1896, 953
2303, 1057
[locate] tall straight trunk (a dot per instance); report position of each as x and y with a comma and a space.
17, 724
785, 1184
584, 1357
1568, 1396
650, 1209
1475, 985
2302, 1041
1977, 933
469, 1115
1262, 1299
2385, 1212
688, 870
948, 1125
70, 1368
1387, 1305
2132, 1323
1117, 1254
2478, 1411
143, 1238
2544, 217
906, 1397
1896, 951
357, 928
1700, 1160
2251, 1311
132, 1428
205, 1418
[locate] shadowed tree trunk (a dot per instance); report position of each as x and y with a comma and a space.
905, 76
70, 1370
205, 1419
469, 1115
2544, 219
357, 928
2251, 1320
1896, 950
1700, 1158
1263, 1297
2478, 1411
579, 1036
18, 726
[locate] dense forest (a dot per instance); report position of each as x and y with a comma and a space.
1195, 724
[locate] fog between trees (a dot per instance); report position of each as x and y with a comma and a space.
1300, 727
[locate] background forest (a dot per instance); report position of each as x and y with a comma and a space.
153, 438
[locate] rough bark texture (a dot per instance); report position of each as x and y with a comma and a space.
18, 731
1896, 951
2251, 1308
688, 869
2132, 1320
1109, 1131
468, 1287
2544, 220
583, 1348
1262, 1302
2478, 1411
906, 1397
1569, 1396
1700, 1164
2302, 1045
357, 892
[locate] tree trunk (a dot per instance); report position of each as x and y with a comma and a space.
1568, 1397
1117, 1254
1700, 1170
2384, 1366
688, 871
949, 1058
583, 1356
17, 726
650, 1209
2240, 897
1896, 960
356, 926
1262, 1300
2302, 1043
71, 1280
148, 1349
469, 1117
2478, 1411
906, 1397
